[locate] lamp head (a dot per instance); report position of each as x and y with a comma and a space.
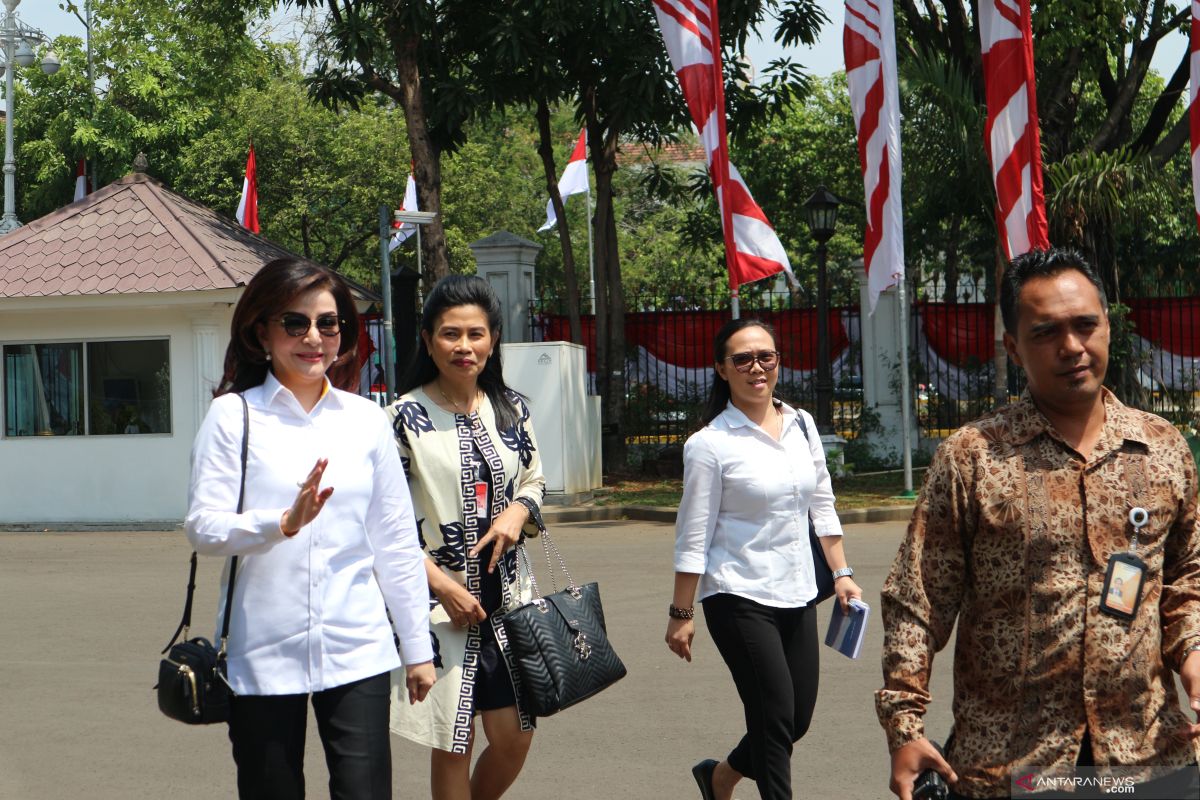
50, 63
24, 55
821, 211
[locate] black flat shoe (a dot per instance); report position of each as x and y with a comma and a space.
703, 773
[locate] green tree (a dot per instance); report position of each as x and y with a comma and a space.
321, 175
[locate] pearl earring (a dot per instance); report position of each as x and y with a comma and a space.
268, 356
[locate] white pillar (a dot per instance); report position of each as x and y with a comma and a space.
881, 359
206, 365
505, 260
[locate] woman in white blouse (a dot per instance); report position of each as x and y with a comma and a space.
467, 445
750, 480
326, 545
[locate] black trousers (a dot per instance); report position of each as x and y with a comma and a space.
267, 732
773, 657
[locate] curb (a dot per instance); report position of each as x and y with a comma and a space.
851, 516
551, 514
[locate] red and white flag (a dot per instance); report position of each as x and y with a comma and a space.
689, 29
402, 230
1012, 125
83, 186
869, 44
1194, 107
247, 212
574, 180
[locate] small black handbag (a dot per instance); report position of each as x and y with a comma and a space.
558, 643
821, 571
192, 686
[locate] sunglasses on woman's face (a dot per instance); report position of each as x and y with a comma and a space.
767, 359
297, 324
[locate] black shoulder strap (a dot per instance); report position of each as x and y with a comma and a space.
186, 622
803, 425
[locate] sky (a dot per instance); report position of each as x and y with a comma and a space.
823, 59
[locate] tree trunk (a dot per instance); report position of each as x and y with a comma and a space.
427, 168
951, 266
610, 302
546, 150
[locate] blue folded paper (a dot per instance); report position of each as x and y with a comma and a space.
847, 629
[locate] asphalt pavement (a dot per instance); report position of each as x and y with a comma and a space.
84, 615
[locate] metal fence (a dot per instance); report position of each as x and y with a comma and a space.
669, 356
1154, 365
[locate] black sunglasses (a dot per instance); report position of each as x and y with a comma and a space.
297, 324
767, 359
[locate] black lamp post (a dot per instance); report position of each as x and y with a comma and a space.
821, 211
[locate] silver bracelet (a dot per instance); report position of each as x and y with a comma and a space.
844, 572
1187, 652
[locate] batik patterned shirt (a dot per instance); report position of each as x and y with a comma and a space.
1011, 537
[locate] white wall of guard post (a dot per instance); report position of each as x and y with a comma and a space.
881, 360
125, 480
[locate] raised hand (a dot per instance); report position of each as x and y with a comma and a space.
309, 501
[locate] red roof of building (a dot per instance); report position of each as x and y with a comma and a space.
133, 236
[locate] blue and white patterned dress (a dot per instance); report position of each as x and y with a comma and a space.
462, 472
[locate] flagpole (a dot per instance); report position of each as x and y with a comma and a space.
591, 252
385, 284
721, 157
905, 387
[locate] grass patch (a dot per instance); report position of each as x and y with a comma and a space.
854, 491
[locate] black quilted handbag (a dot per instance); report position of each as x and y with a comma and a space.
558, 643
192, 687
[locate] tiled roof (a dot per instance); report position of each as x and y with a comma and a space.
133, 236
673, 153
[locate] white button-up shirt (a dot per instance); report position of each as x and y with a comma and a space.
308, 611
743, 517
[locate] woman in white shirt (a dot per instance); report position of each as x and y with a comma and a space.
750, 480
326, 545
467, 444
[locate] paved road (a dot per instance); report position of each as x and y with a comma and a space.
83, 616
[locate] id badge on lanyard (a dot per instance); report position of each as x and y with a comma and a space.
1126, 574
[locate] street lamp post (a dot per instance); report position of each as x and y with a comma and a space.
18, 43
821, 211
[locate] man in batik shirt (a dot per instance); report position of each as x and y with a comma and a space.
1020, 518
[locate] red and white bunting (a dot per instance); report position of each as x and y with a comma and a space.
869, 45
83, 186
247, 212
1012, 125
574, 180
689, 29
1194, 107
402, 230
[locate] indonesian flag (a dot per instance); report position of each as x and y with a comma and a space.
83, 187
574, 180
1194, 108
1012, 125
247, 212
402, 230
869, 42
689, 29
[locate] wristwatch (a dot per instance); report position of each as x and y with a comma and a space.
844, 572
1188, 652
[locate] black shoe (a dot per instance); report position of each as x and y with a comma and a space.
703, 773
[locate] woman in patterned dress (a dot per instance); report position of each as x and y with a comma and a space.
467, 446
